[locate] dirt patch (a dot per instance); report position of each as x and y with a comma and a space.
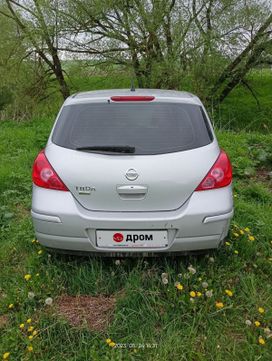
23, 212
3, 321
263, 175
93, 311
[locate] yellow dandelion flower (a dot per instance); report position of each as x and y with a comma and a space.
261, 310
10, 306
22, 325
33, 241
251, 238
30, 337
30, 348
257, 323
34, 333
242, 232
192, 294
236, 252
40, 251
199, 294
261, 340
112, 344
236, 234
30, 329
108, 341
179, 287
27, 277
219, 305
28, 320
229, 293
6, 355
227, 243
247, 229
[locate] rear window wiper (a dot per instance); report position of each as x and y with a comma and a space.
109, 148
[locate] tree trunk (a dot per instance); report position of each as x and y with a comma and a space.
240, 74
230, 69
64, 88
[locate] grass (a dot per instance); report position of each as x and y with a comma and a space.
151, 321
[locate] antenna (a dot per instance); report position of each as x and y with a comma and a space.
132, 87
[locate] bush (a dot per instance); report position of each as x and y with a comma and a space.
6, 97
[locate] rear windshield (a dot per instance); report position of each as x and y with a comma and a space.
152, 128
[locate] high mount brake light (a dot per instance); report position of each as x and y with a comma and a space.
43, 174
220, 175
133, 98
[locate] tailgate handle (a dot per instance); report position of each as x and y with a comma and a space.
130, 190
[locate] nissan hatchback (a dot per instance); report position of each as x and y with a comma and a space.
132, 172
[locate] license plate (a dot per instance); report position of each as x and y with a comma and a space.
132, 239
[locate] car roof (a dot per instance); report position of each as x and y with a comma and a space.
159, 94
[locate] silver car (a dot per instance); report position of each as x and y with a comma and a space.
132, 172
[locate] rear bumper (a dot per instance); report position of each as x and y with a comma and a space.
60, 222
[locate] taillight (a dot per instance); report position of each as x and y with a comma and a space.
133, 98
43, 174
220, 175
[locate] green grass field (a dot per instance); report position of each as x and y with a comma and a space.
151, 320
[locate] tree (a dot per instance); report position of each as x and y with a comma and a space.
172, 43
38, 22
206, 46
138, 34
236, 70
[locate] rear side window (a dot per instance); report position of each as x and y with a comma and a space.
152, 128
